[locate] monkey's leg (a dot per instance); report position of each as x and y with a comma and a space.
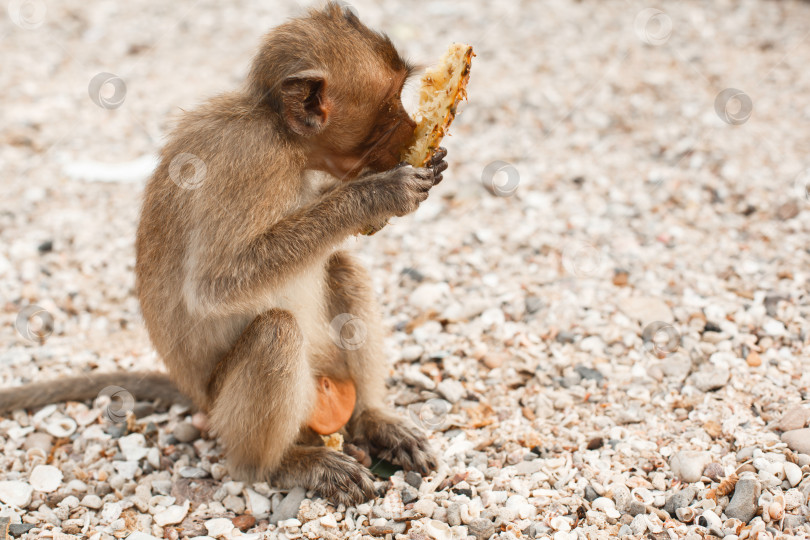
372, 424
263, 392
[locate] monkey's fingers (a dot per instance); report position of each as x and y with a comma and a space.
437, 172
426, 180
438, 164
439, 155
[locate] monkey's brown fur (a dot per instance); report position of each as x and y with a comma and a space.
239, 275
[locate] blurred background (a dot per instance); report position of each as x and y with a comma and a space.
617, 164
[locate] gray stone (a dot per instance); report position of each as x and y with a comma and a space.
43, 441
454, 515
711, 378
743, 505
185, 432
589, 373
19, 529
636, 508
193, 472
590, 494
409, 495
565, 337
288, 507
621, 496
413, 478
795, 418
798, 440
451, 390
538, 529
481, 529
679, 499
793, 521
533, 304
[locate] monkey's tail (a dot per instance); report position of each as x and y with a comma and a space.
123, 385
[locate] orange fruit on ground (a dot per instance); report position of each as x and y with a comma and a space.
334, 407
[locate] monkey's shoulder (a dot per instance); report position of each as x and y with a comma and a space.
229, 120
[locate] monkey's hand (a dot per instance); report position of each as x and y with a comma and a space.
396, 192
438, 164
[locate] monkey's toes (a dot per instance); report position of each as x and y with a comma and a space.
341, 479
404, 446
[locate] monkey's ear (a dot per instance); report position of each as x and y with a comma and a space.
306, 108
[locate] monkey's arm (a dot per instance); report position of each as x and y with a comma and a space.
288, 246
143, 386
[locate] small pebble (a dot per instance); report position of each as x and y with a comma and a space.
793, 473
219, 527
798, 440
46, 478
185, 432
481, 529
15, 493
39, 440
743, 505
413, 478
795, 418
451, 390
288, 508
244, 522
173, 514
688, 465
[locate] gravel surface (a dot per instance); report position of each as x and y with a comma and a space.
600, 316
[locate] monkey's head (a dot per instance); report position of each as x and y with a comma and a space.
336, 86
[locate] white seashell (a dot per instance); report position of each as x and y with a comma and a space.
686, 514
793, 499
559, 523
603, 504
765, 499
45, 478
757, 526
474, 477
219, 527
642, 495
36, 456
15, 493
639, 525
730, 526
711, 521
43, 413
761, 464
393, 503
793, 473
61, 427
438, 530
173, 514
776, 510
654, 523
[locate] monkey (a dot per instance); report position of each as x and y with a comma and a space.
240, 271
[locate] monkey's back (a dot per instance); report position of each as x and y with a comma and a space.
184, 227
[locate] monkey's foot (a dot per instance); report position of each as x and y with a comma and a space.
333, 475
392, 439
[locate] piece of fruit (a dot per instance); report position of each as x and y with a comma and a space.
443, 86
334, 407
